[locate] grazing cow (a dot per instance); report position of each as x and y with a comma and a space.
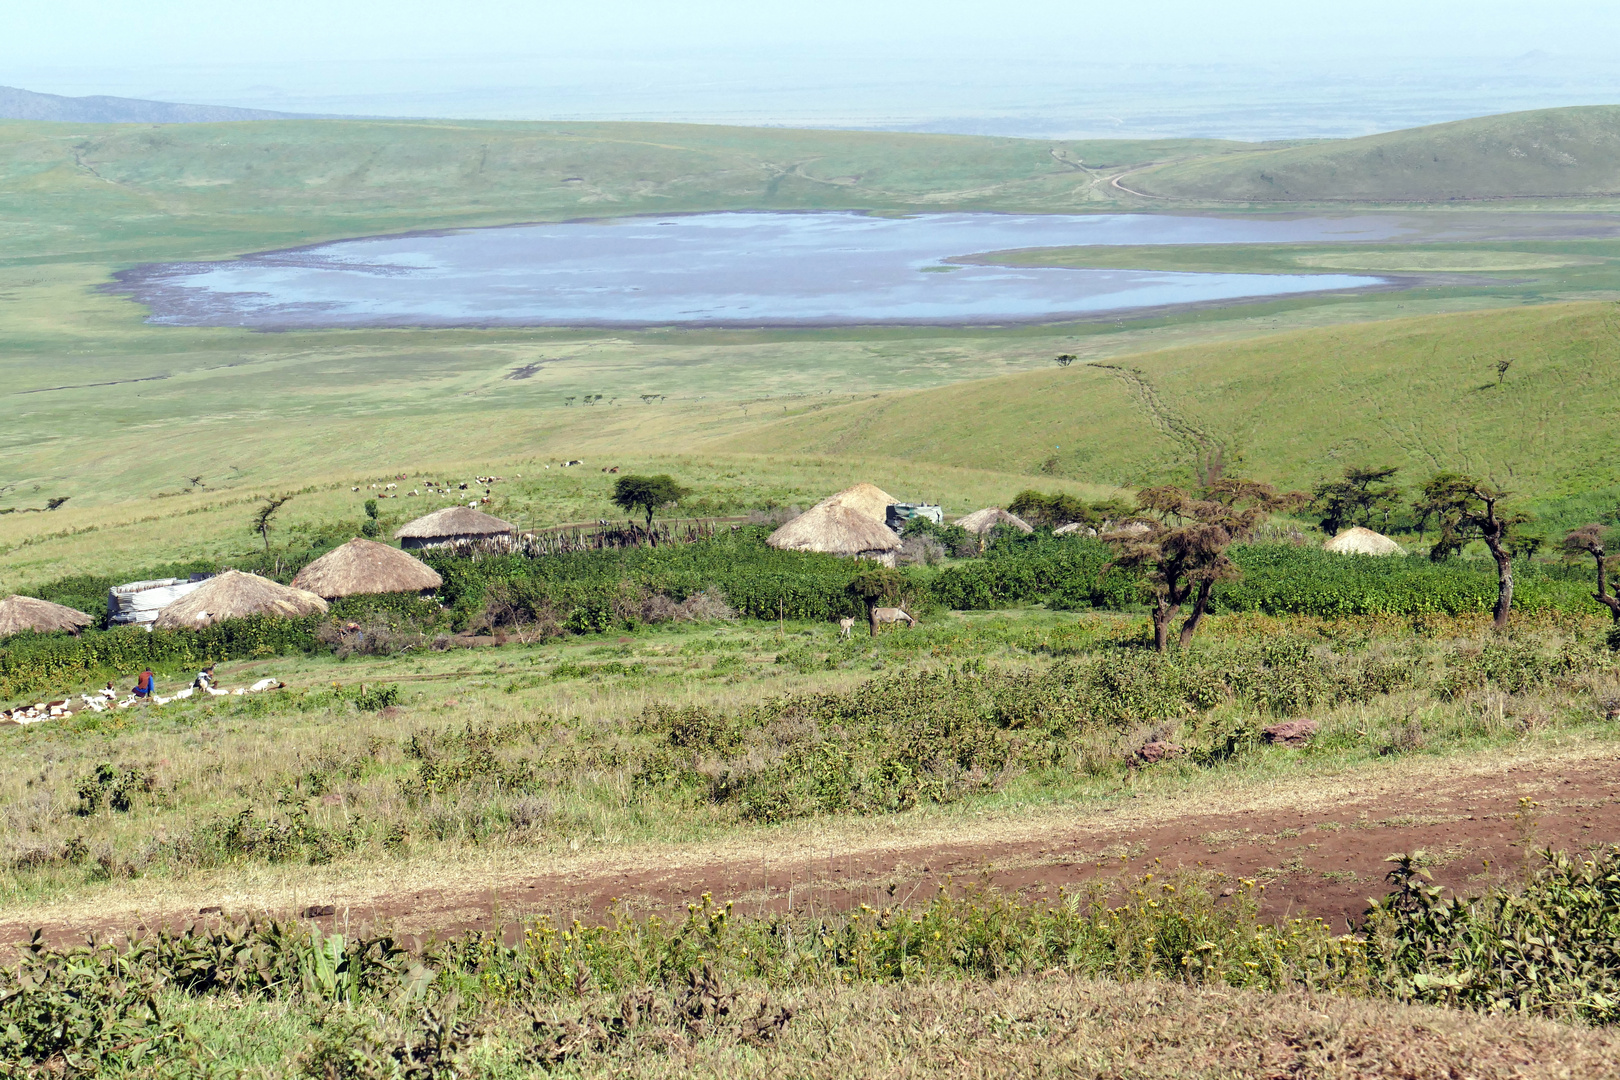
891, 615
845, 625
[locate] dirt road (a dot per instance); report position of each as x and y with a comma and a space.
1318, 844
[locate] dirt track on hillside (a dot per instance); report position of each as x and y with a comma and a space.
1319, 846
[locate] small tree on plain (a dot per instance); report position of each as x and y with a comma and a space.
1468, 509
647, 493
264, 516
371, 526
875, 583
1588, 540
1181, 540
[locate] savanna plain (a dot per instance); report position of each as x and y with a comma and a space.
1158, 787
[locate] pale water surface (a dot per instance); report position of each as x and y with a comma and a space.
729, 269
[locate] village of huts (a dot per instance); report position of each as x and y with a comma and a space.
859, 522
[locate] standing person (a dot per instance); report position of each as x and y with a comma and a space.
144, 683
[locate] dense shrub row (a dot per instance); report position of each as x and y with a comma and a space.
1281, 579
596, 591
33, 662
585, 588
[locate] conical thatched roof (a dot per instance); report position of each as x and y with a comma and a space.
836, 530
982, 521
365, 566
19, 613
232, 595
454, 521
866, 499
1358, 541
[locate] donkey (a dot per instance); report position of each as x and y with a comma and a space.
891, 615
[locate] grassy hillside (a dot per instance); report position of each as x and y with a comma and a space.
1290, 408
1547, 153
132, 193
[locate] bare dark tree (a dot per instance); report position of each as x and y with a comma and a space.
1181, 541
1468, 509
1588, 540
1502, 369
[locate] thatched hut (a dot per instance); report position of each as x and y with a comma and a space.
233, 595
1358, 541
982, 521
365, 566
450, 525
865, 499
837, 529
19, 613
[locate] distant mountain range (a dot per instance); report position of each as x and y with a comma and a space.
18, 104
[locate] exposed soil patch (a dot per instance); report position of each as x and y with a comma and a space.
1319, 849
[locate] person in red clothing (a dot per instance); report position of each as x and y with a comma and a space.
144, 683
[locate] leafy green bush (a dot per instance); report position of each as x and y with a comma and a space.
75, 1012
1067, 572
1552, 947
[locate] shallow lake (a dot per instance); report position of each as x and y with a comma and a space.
728, 269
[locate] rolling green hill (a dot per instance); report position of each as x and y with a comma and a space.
1292, 408
134, 192
1544, 154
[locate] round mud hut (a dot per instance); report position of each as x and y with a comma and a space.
835, 529
450, 525
365, 566
982, 521
19, 613
235, 595
1358, 541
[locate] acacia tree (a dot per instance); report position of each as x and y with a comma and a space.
647, 493
1054, 510
1588, 540
1181, 540
265, 515
1355, 497
1468, 509
874, 583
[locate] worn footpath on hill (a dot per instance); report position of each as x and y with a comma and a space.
1317, 843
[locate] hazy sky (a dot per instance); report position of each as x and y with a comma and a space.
875, 62
129, 32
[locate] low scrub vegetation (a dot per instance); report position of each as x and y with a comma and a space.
634, 993
678, 744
